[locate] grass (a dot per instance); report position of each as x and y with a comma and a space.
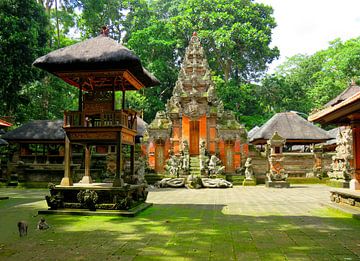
175, 232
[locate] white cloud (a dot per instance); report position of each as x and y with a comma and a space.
307, 26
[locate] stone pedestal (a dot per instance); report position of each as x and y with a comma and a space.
277, 184
249, 182
354, 185
86, 180
338, 183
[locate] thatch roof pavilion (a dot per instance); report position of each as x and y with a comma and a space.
292, 127
100, 61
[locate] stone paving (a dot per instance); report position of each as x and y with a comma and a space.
241, 223
259, 200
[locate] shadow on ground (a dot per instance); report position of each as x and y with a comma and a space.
178, 232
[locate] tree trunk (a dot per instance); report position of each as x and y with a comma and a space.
227, 70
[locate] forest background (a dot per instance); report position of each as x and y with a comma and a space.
236, 36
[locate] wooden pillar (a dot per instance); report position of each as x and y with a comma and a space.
355, 126
132, 159
87, 178
67, 180
123, 100
118, 182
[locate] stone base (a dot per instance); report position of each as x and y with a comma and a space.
346, 196
248, 182
354, 185
337, 183
100, 212
86, 180
277, 184
66, 181
96, 196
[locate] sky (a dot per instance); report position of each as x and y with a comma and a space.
307, 26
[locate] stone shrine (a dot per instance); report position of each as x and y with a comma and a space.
195, 123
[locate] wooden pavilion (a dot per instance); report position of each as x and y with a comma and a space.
345, 112
98, 67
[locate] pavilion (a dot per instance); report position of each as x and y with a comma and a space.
98, 67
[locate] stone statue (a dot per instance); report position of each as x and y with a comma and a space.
173, 166
249, 172
171, 182
216, 183
87, 198
215, 167
204, 159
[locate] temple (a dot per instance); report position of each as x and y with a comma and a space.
195, 119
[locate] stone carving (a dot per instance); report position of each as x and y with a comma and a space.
173, 165
171, 182
204, 158
249, 172
341, 169
42, 225
276, 176
185, 157
55, 200
87, 198
215, 166
216, 183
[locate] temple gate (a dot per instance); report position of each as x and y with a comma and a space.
194, 115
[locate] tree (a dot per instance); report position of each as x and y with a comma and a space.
22, 39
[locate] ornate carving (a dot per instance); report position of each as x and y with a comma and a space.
249, 172
341, 169
276, 172
87, 198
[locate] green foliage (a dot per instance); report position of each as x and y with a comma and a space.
22, 39
303, 83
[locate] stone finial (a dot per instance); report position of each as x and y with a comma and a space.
194, 34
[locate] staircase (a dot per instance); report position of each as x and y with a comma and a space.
195, 166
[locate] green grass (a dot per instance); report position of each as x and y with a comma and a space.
175, 232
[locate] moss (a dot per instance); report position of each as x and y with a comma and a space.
306, 181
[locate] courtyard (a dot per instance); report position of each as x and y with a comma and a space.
242, 223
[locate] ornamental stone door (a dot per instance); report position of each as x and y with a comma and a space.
194, 138
159, 156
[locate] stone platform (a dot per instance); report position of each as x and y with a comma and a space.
100, 212
346, 196
277, 184
96, 196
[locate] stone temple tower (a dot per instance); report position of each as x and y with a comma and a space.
195, 118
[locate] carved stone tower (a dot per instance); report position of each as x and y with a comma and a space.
195, 116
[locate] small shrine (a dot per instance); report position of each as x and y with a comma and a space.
194, 130
98, 67
276, 176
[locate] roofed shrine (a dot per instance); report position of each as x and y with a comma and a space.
98, 67
195, 118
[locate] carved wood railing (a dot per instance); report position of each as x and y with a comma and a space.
123, 118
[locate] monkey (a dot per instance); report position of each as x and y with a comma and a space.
42, 225
23, 227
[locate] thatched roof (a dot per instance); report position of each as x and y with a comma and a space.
49, 131
252, 132
3, 142
292, 127
348, 92
38, 131
97, 54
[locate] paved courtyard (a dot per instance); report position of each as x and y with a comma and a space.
258, 201
242, 223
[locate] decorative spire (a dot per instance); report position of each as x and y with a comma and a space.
104, 31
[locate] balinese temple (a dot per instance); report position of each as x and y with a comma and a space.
195, 115
98, 68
